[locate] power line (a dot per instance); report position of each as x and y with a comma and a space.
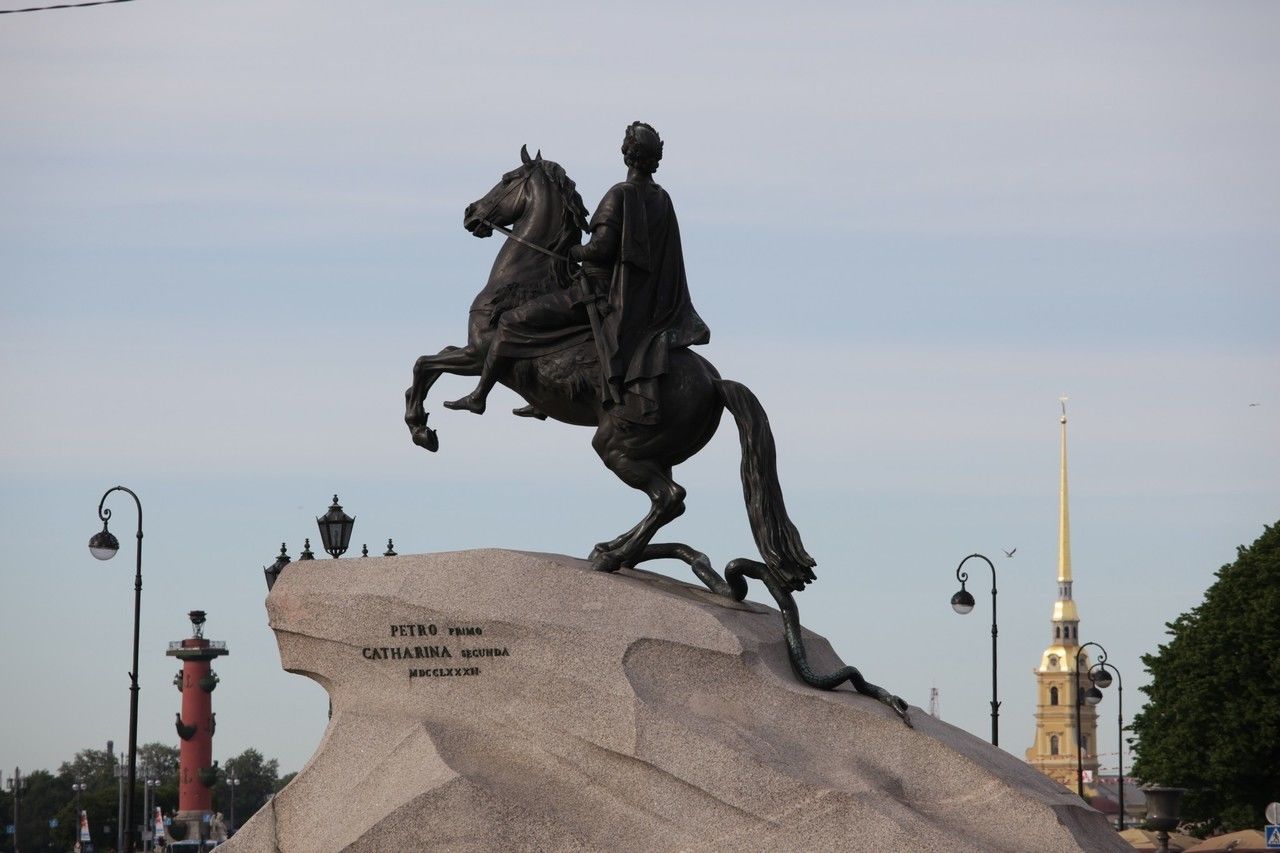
62, 6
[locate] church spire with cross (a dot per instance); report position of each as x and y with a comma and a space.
1054, 751
1066, 619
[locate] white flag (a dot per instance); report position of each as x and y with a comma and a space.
1087, 775
84, 826
159, 822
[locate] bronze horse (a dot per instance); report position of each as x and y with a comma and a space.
543, 208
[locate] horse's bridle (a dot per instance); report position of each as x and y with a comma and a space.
511, 235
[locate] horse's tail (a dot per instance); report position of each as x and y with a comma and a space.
775, 535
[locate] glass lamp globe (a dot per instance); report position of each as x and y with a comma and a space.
1101, 678
962, 602
1092, 696
104, 544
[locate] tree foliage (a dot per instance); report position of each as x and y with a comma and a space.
158, 761
47, 797
258, 779
40, 799
1212, 720
92, 766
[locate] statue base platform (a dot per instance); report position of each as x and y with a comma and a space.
501, 700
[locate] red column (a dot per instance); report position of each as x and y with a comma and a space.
197, 711
195, 725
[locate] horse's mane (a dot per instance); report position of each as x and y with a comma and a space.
575, 212
572, 225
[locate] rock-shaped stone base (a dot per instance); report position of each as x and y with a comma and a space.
499, 700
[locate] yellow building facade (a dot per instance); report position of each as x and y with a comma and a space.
1062, 672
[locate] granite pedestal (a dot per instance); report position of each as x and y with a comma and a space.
500, 700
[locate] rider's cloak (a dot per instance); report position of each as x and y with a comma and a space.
648, 294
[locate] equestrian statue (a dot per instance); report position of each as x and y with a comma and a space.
599, 334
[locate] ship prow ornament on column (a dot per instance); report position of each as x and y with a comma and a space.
197, 771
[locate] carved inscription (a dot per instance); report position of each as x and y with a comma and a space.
442, 645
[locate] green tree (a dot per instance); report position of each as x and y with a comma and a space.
92, 766
158, 761
96, 768
258, 778
1212, 719
40, 800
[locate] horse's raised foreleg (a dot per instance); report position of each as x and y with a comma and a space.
464, 361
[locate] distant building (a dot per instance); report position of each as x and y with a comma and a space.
1107, 799
1053, 752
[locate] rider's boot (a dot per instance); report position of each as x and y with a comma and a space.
474, 402
530, 411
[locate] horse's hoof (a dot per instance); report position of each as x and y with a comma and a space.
606, 562
426, 437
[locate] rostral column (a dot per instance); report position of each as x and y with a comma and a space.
197, 771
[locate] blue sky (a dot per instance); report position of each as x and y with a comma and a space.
228, 229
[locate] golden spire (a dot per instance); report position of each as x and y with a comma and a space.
1064, 520
1064, 609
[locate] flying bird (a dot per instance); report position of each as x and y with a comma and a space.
1251, 405
1010, 553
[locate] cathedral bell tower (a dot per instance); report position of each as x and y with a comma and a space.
1054, 751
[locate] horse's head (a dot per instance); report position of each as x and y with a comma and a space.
535, 187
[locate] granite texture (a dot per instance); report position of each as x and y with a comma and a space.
630, 712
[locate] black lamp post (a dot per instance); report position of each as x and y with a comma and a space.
148, 802
1099, 675
1092, 696
233, 782
962, 602
104, 546
1162, 812
335, 530
16, 783
78, 787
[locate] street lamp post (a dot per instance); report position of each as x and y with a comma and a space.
1092, 696
1099, 675
148, 800
233, 782
120, 773
78, 787
104, 545
962, 602
15, 785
